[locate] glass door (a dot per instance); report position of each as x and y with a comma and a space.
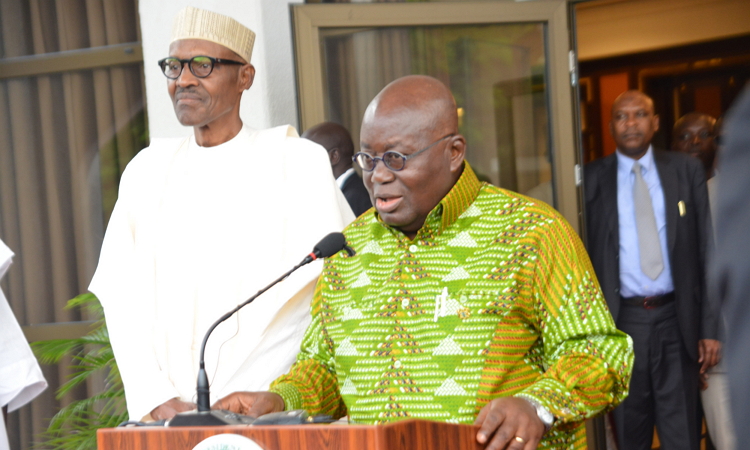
505, 62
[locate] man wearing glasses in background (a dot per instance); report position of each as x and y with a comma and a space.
202, 223
465, 303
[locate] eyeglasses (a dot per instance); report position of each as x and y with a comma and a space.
200, 66
392, 160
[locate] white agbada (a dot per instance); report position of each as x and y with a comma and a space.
21, 378
195, 232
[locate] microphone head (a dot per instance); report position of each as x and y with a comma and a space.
329, 245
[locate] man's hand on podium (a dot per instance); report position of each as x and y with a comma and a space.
170, 408
253, 404
509, 423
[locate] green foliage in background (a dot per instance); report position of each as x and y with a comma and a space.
74, 426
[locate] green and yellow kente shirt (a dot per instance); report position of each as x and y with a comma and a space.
495, 296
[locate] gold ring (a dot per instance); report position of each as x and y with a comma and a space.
520, 439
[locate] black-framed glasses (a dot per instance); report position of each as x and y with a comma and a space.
392, 159
200, 66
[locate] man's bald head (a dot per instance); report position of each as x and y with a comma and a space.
633, 123
337, 141
694, 135
631, 96
416, 117
693, 118
418, 97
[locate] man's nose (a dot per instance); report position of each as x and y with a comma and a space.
381, 173
186, 77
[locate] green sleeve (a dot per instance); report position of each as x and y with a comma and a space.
588, 362
311, 383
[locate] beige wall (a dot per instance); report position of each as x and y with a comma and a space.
616, 27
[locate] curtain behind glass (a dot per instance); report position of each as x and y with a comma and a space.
64, 141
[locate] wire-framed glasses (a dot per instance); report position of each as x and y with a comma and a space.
392, 159
200, 66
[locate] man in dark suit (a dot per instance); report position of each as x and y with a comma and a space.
648, 233
337, 140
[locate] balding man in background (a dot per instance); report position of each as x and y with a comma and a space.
338, 142
695, 134
648, 233
465, 303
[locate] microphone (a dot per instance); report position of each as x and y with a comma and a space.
328, 246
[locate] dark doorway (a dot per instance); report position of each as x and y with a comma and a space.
705, 77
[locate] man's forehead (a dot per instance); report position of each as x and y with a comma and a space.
634, 102
697, 122
390, 131
370, 141
196, 47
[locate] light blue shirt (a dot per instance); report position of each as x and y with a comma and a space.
633, 282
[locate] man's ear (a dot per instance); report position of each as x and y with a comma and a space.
247, 76
656, 122
457, 152
334, 155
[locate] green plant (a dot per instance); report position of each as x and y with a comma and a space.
74, 426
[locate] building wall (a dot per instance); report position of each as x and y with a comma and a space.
271, 101
617, 27
605, 28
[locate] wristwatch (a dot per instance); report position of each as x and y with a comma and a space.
544, 415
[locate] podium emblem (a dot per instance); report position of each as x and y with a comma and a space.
227, 441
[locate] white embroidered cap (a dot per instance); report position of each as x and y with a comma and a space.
194, 23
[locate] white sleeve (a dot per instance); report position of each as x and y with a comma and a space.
127, 300
21, 378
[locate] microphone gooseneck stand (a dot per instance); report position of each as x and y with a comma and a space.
328, 246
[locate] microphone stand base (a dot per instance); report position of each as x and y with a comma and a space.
216, 417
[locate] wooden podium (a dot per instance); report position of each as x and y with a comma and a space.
403, 435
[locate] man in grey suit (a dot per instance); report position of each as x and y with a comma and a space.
648, 232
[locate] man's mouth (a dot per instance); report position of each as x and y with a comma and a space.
187, 98
387, 204
187, 95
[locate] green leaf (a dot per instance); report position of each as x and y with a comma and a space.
74, 426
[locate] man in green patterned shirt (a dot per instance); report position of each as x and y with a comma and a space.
465, 302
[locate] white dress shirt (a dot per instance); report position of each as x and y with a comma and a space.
633, 282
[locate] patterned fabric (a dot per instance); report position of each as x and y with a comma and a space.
494, 297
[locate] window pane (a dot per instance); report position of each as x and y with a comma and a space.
496, 72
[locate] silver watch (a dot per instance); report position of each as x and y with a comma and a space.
544, 415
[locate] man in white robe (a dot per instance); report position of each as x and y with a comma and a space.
202, 223
21, 378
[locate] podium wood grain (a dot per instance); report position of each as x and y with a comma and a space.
404, 435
